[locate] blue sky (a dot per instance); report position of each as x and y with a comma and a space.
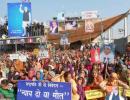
44, 10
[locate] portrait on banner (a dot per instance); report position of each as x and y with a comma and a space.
89, 26
54, 27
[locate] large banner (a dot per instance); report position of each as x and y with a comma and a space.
54, 27
19, 17
71, 25
107, 53
89, 26
36, 90
64, 39
95, 55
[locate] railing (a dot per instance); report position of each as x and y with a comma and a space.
21, 40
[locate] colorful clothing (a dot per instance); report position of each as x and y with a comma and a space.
8, 94
80, 91
74, 86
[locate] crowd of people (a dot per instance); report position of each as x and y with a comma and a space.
35, 29
73, 66
3, 29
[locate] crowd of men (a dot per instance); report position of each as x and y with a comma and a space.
3, 29
35, 29
73, 66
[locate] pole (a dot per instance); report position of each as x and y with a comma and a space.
126, 26
109, 35
106, 70
16, 48
102, 31
90, 37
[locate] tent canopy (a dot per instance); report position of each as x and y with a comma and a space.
79, 34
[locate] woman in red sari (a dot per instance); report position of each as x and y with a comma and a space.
97, 79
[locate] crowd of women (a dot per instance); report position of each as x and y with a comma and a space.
73, 66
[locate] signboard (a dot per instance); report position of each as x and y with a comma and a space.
43, 54
54, 27
23, 58
37, 90
64, 39
71, 25
94, 94
95, 55
126, 92
89, 26
89, 14
36, 51
107, 53
19, 16
14, 56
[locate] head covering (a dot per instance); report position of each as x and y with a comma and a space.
51, 73
114, 75
128, 71
107, 47
41, 75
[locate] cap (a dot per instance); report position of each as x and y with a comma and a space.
107, 47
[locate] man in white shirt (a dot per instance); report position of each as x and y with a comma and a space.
26, 17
